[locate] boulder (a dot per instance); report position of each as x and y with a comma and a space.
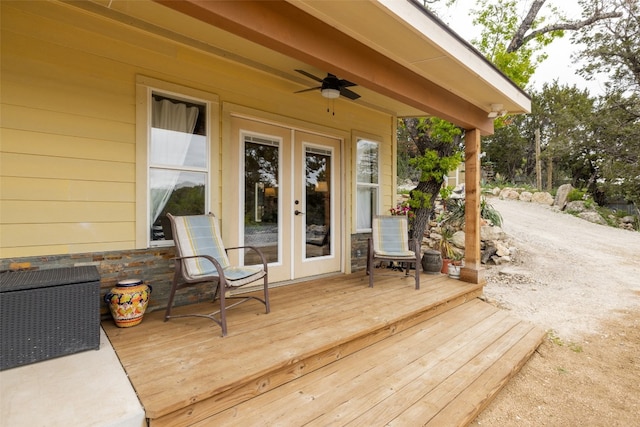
509, 194
435, 236
576, 206
458, 239
562, 194
487, 254
627, 219
497, 260
492, 233
526, 196
592, 216
542, 198
502, 250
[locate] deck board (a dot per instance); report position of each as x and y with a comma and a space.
185, 373
362, 379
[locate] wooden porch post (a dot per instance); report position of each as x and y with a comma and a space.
472, 271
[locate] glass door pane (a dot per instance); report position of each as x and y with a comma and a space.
261, 219
318, 188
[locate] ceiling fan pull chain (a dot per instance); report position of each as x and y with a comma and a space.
331, 106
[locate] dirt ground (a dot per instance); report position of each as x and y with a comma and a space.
581, 283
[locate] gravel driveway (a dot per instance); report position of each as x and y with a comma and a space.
569, 274
580, 281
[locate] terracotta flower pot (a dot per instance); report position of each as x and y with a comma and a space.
445, 266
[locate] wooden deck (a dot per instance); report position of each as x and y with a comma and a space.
331, 352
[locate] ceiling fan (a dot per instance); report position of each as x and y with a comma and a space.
331, 87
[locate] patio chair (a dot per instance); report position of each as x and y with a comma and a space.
201, 257
390, 242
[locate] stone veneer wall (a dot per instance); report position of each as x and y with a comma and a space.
359, 251
153, 266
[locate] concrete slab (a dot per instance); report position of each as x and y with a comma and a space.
89, 389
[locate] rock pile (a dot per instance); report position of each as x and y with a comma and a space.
495, 245
586, 210
511, 193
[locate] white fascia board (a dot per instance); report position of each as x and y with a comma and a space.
436, 33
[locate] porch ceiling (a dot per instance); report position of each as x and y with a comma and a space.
413, 65
422, 43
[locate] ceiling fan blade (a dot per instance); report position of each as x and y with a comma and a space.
308, 89
346, 83
330, 82
347, 93
311, 76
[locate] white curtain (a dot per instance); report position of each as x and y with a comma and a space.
172, 128
366, 201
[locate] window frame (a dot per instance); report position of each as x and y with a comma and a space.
366, 185
145, 88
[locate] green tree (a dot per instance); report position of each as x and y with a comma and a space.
500, 23
563, 115
406, 150
516, 46
510, 149
616, 129
611, 47
439, 150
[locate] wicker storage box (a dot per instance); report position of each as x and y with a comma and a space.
48, 313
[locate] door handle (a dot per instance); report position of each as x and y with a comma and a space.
297, 212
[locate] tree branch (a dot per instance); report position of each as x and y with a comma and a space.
519, 39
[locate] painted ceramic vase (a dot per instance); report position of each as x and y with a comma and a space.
128, 302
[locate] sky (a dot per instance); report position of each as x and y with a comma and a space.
559, 64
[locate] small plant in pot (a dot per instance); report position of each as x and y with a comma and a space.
446, 249
456, 265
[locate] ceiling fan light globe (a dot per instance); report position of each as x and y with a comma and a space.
330, 93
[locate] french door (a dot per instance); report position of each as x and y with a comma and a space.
289, 199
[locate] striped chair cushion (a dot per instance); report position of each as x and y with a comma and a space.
199, 235
391, 236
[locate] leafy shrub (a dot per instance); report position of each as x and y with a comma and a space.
454, 215
488, 212
575, 194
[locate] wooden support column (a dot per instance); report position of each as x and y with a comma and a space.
472, 271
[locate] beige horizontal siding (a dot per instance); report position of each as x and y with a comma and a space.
48, 144
40, 250
68, 136
33, 189
28, 165
32, 212
69, 234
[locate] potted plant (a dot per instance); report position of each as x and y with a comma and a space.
455, 266
446, 249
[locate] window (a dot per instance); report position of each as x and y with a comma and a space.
367, 183
178, 161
